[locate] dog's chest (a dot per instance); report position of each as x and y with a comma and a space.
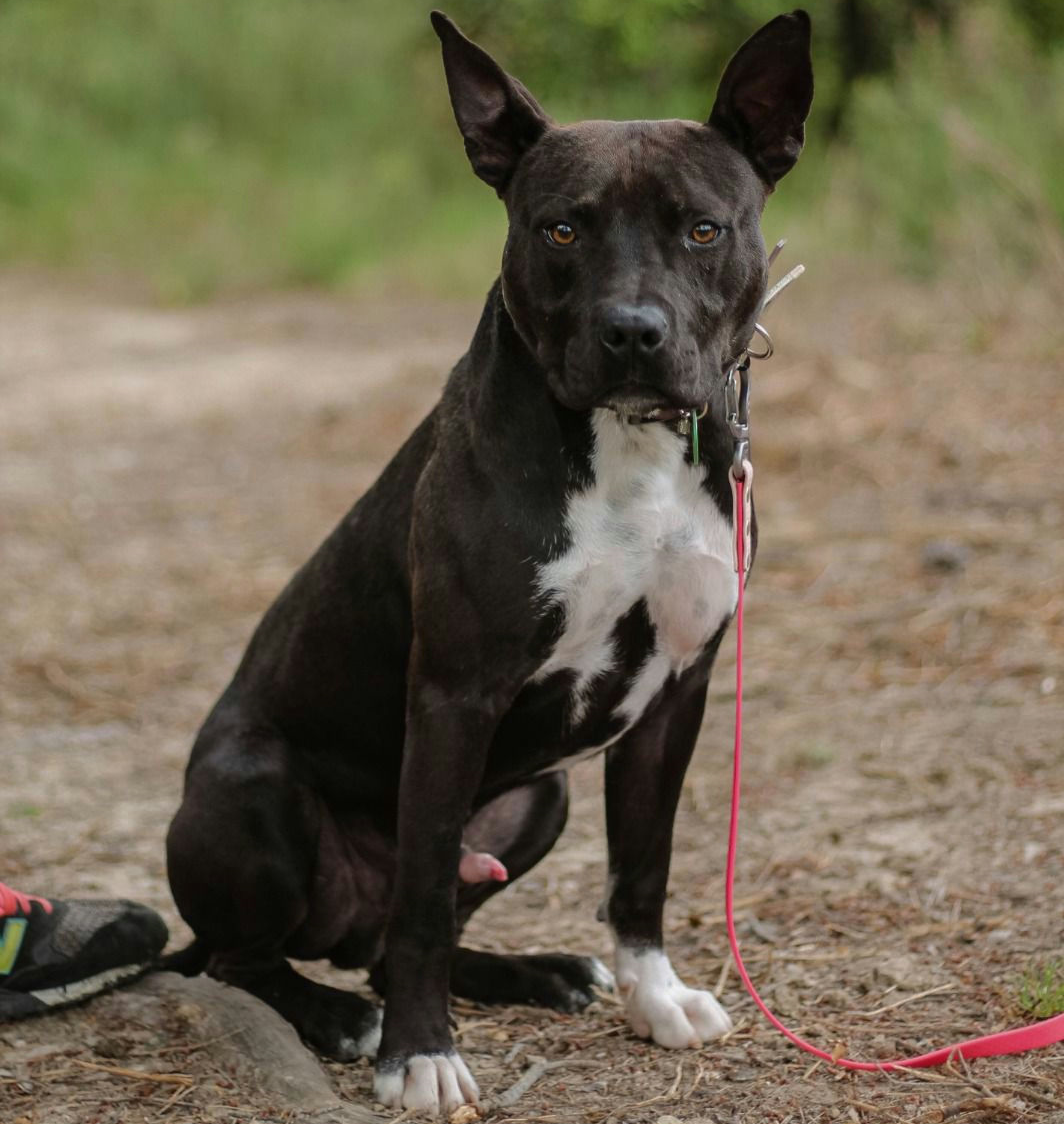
644, 537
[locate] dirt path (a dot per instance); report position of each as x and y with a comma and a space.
162, 473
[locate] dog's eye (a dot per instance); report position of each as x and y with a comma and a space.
704, 233
561, 234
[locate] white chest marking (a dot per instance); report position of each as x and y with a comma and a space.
645, 529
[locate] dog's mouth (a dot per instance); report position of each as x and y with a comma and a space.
639, 404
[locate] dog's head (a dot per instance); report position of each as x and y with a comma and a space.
634, 265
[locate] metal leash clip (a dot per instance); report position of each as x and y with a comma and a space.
737, 412
766, 339
737, 415
737, 380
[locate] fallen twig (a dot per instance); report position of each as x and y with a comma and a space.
531, 1075
176, 1097
192, 1047
724, 969
906, 999
668, 1095
61, 681
697, 1081
983, 1104
1030, 1094
740, 904
532, 1119
137, 1074
877, 1112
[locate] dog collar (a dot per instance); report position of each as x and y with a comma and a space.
683, 422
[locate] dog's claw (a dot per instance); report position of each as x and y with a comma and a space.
431, 1083
601, 976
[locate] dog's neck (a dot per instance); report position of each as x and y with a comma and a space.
517, 419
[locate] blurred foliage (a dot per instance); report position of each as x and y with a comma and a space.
959, 156
209, 145
596, 55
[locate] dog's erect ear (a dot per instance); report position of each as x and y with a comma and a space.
497, 116
765, 95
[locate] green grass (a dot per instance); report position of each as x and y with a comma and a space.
210, 144
205, 146
1040, 991
23, 811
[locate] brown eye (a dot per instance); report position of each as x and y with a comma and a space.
704, 233
561, 234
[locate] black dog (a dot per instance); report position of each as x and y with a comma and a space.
541, 573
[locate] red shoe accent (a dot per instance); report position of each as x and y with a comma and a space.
12, 901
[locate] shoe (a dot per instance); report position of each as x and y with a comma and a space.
55, 953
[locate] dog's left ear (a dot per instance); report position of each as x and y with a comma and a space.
765, 95
499, 119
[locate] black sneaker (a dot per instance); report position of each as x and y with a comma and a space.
56, 953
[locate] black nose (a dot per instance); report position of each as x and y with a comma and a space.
634, 330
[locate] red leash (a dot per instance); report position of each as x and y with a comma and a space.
1039, 1034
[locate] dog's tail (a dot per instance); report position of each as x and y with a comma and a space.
189, 961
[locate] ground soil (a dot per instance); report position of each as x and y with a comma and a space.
162, 472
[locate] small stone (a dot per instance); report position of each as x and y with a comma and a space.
764, 930
909, 973
464, 1114
111, 1048
945, 555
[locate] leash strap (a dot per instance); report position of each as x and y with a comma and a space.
1016, 1041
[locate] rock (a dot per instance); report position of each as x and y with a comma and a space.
250, 1039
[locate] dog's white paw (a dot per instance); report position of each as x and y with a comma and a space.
426, 1083
365, 1044
601, 976
660, 1006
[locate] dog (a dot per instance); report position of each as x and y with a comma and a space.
543, 572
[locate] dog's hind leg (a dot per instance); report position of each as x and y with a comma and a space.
557, 980
243, 853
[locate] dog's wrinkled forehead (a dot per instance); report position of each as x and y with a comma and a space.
636, 168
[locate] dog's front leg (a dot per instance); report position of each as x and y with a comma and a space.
447, 738
644, 776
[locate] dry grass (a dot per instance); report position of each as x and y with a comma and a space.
903, 841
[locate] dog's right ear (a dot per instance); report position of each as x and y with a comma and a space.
498, 117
